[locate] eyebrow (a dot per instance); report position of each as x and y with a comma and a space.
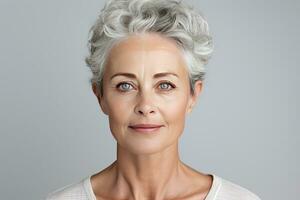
129, 75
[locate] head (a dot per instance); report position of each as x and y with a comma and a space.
162, 46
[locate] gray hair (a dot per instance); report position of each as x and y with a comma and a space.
171, 18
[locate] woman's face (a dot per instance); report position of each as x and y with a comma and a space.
154, 89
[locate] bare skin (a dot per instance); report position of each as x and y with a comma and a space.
148, 166
191, 185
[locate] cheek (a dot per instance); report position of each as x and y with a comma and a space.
174, 112
175, 106
119, 109
118, 116
118, 112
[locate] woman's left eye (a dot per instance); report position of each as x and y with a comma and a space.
166, 85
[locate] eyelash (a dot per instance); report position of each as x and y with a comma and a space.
165, 82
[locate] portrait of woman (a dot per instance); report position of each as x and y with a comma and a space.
149, 100
147, 59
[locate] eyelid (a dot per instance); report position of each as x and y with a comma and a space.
169, 82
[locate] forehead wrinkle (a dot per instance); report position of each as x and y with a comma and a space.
139, 56
138, 49
155, 76
140, 75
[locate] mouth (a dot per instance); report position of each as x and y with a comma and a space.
146, 128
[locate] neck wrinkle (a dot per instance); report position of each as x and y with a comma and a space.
148, 176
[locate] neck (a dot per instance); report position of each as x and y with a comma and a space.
148, 176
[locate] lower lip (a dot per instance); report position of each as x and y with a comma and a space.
146, 130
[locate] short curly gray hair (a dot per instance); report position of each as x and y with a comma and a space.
171, 18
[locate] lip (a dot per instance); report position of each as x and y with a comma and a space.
145, 128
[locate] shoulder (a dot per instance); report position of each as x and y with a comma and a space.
73, 191
232, 191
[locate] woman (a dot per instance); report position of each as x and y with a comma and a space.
147, 58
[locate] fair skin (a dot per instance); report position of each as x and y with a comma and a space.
148, 166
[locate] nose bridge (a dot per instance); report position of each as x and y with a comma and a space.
145, 101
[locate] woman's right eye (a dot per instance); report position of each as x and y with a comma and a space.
123, 86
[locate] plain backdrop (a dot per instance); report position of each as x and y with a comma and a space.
245, 127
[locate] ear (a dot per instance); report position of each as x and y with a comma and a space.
193, 97
101, 100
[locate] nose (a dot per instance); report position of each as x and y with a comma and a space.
145, 105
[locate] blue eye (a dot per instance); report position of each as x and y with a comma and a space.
124, 86
166, 84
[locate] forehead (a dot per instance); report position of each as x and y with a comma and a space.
149, 51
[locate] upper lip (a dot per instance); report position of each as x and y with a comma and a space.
145, 125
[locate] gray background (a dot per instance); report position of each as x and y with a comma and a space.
245, 127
